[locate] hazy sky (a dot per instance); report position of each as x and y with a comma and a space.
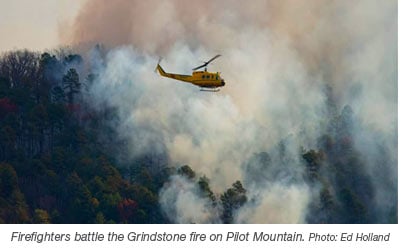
34, 24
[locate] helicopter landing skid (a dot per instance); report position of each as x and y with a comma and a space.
210, 90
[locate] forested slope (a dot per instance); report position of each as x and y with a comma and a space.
59, 158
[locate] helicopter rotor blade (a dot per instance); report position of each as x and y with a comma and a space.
206, 63
213, 58
201, 66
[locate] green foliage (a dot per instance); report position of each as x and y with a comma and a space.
100, 219
203, 183
313, 158
53, 166
41, 216
354, 209
232, 199
187, 172
13, 207
8, 180
57, 94
71, 83
326, 198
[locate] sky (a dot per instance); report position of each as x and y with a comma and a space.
34, 24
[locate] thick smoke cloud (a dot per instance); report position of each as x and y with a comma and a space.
283, 62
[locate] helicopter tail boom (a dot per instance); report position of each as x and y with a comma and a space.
186, 78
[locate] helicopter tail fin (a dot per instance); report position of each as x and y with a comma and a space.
161, 70
158, 65
185, 78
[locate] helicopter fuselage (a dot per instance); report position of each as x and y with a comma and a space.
203, 79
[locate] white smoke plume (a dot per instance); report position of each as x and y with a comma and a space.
285, 204
278, 56
180, 198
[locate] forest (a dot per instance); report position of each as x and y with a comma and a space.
55, 167
59, 158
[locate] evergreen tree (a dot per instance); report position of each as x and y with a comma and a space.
71, 83
232, 199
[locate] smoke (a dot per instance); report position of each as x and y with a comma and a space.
284, 204
180, 198
283, 62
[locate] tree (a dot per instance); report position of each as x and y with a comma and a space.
203, 183
187, 172
13, 207
6, 107
41, 217
232, 200
8, 180
57, 94
7, 142
100, 219
354, 211
81, 206
71, 83
126, 209
38, 122
73, 59
313, 158
21, 68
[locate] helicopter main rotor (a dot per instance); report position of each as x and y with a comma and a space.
206, 63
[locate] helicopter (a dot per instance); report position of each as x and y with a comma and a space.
207, 81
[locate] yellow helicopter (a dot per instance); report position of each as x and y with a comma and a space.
207, 81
